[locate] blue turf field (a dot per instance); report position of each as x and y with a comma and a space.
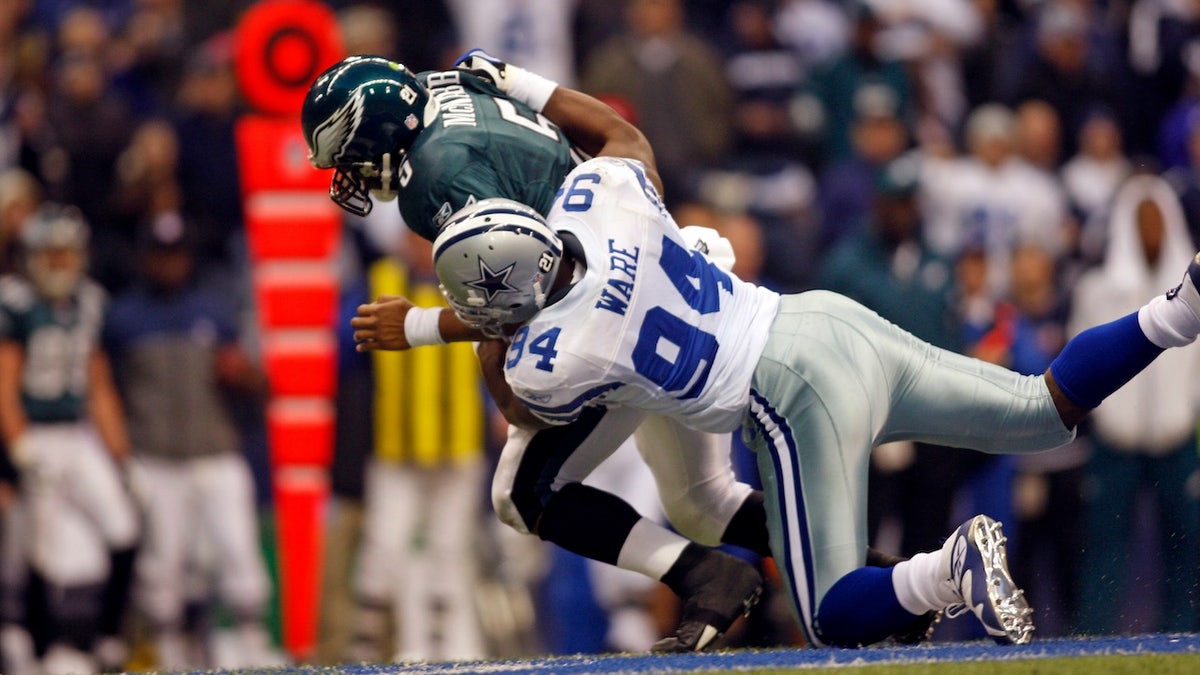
794, 658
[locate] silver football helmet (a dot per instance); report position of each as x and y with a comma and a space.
54, 243
496, 260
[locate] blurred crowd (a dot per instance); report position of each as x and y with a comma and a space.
991, 175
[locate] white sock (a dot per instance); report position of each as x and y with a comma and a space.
1171, 323
650, 549
922, 583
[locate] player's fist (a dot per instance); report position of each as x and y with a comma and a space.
480, 63
380, 324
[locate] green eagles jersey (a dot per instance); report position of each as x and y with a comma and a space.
482, 145
58, 343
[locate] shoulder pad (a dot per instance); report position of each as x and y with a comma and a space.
16, 293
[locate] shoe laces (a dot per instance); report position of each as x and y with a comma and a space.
956, 610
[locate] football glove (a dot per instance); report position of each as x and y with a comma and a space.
525, 86
710, 242
481, 64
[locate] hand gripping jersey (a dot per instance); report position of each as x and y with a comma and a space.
482, 145
651, 324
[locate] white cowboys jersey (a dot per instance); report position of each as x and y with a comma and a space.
651, 324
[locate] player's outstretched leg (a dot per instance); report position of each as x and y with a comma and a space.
979, 574
970, 570
716, 588
1103, 358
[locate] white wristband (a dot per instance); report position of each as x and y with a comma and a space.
421, 326
528, 87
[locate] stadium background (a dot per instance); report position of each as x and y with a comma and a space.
272, 229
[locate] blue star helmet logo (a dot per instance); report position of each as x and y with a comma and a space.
493, 282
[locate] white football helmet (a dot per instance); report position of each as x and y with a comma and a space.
54, 241
496, 260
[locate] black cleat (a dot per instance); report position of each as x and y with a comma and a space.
918, 630
716, 591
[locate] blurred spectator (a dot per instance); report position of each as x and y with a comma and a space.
1072, 67
988, 61
817, 31
1092, 175
992, 198
147, 54
1039, 135
1144, 438
1162, 37
1047, 486
353, 445
424, 489
175, 345
147, 182
20, 196
764, 74
536, 34
676, 83
888, 267
207, 109
61, 420
368, 29
84, 29
847, 186
1185, 179
930, 35
90, 125
779, 197
146, 185
11, 14
826, 103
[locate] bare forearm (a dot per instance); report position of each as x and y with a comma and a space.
598, 130
105, 409
12, 414
454, 330
491, 362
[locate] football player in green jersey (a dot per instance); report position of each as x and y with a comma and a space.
439, 141
62, 422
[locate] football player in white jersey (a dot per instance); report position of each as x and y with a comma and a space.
538, 487
603, 304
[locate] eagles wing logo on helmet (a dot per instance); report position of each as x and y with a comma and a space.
332, 136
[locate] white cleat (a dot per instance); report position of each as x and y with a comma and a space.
979, 574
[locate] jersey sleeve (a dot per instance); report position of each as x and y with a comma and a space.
491, 147
563, 405
551, 380
15, 299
